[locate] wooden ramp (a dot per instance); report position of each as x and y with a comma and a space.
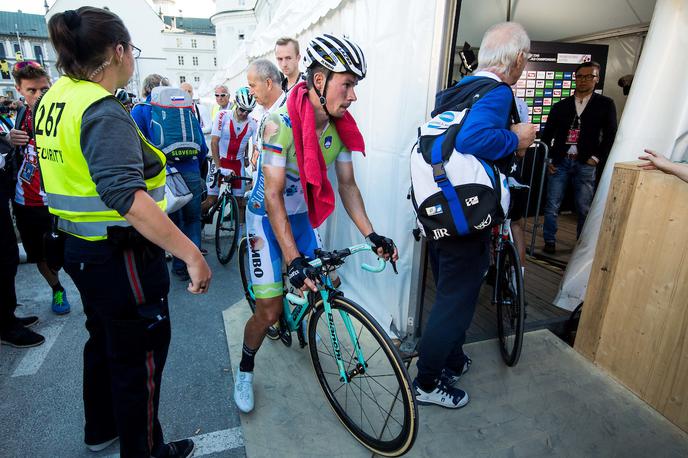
541, 285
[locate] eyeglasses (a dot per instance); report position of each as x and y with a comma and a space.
241, 110
586, 77
27, 63
220, 95
135, 52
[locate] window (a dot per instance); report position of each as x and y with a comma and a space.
197, 79
241, 35
194, 43
194, 60
38, 54
16, 47
2, 51
180, 60
213, 44
215, 61
182, 79
179, 42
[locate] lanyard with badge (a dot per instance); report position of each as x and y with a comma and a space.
29, 165
574, 131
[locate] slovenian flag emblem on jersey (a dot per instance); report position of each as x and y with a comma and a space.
274, 148
177, 98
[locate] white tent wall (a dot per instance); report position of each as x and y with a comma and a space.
401, 40
656, 115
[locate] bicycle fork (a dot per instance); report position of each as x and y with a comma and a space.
360, 367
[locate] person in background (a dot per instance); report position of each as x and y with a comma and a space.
13, 330
30, 201
106, 183
581, 130
222, 101
657, 161
124, 97
187, 218
199, 110
288, 56
459, 264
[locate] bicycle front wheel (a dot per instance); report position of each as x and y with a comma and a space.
245, 274
377, 405
226, 229
510, 304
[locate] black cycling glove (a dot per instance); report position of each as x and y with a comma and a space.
387, 245
298, 270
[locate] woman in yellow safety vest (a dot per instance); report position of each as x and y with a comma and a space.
106, 184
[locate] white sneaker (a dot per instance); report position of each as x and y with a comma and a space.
443, 396
243, 391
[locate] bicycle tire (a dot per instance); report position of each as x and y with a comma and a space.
396, 391
510, 304
226, 229
244, 266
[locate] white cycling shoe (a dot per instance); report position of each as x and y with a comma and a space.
243, 391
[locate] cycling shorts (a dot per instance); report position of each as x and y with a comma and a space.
266, 256
213, 179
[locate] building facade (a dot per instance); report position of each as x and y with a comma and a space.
24, 37
189, 45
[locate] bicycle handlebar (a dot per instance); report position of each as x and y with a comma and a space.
229, 178
334, 258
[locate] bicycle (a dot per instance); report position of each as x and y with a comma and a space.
508, 293
360, 376
227, 223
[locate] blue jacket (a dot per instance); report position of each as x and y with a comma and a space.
485, 132
142, 116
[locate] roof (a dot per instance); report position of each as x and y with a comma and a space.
28, 25
201, 26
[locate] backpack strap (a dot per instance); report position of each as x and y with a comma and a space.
439, 174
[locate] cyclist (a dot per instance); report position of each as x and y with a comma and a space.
231, 132
314, 125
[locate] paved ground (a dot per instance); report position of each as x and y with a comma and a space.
40, 388
553, 403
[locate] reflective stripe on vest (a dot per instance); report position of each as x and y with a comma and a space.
72, 194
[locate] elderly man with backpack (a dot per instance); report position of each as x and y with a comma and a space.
167, 119
458, 194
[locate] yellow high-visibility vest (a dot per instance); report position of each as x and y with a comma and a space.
71, 192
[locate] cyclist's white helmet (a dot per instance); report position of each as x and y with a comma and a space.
337, 54
245, 100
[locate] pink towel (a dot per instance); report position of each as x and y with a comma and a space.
317, 188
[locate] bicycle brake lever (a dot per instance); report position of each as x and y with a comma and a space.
394, 266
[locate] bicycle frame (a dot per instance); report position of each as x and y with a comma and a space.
501, 235
327, 292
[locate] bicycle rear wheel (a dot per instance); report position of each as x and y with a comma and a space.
510, 304
226, 229
245, 273
377, 405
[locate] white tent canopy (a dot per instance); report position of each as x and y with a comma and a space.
405, 43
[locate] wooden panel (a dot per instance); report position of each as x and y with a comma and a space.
603, 269
635, 318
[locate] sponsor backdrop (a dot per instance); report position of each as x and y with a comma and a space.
550, 75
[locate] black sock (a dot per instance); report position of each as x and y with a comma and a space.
57, 287
426, 385
247, 358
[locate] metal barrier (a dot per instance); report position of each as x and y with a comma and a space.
539, 145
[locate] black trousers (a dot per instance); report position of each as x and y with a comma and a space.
124, 293
459, 266
9, 259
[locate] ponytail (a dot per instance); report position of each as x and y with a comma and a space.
82, 40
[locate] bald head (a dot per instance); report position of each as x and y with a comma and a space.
504, 48
188, 88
